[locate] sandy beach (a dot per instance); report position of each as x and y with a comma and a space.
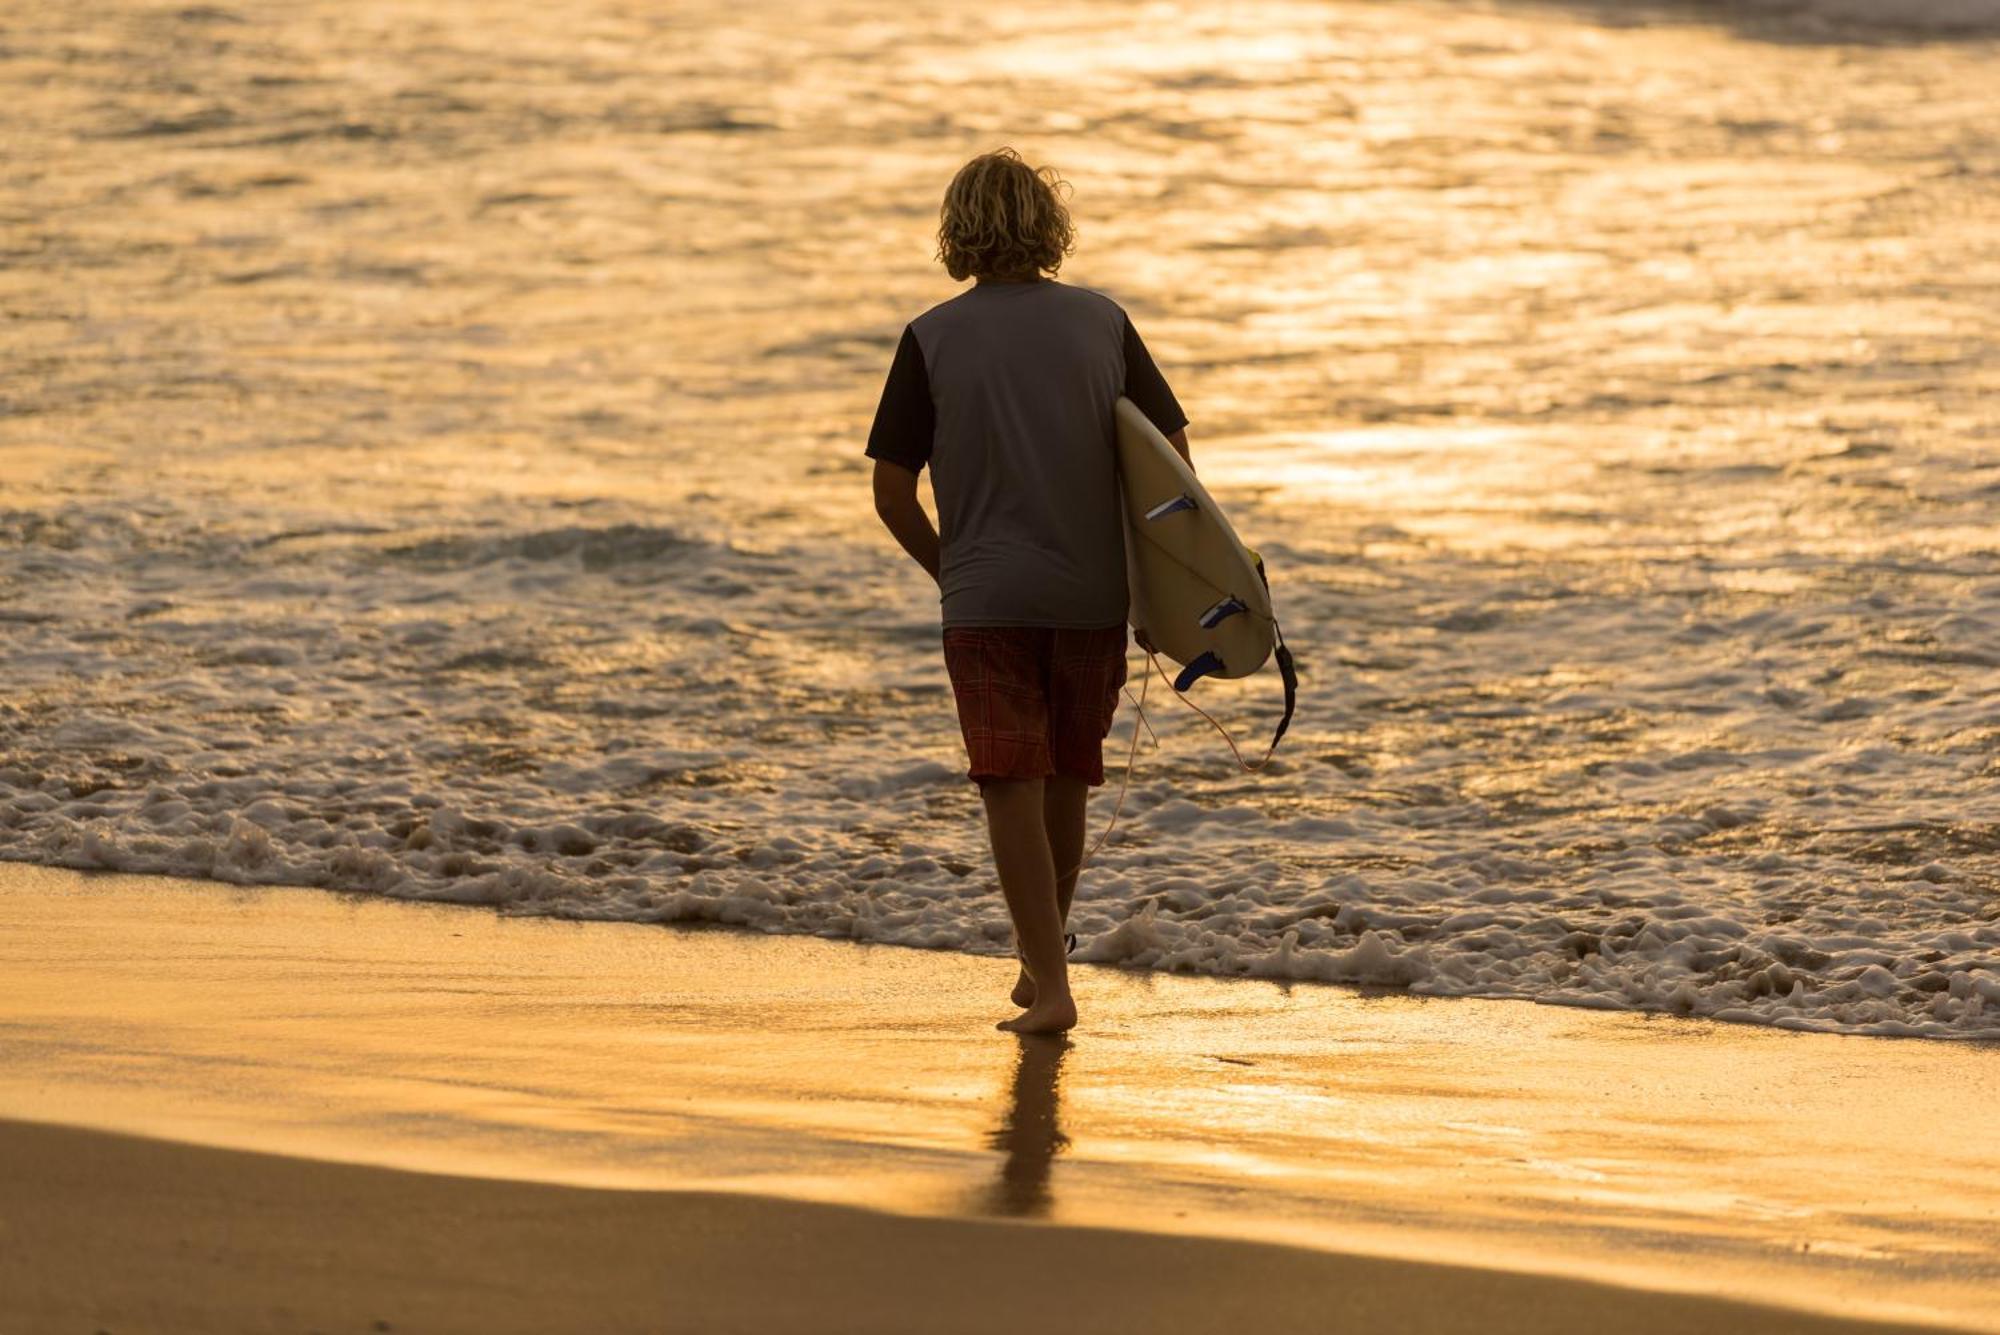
484, 833
133, 1235
218, 1095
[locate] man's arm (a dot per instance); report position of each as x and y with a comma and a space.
1147, 388
903, 514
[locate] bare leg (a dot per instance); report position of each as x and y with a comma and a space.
1027, 870
1064, 798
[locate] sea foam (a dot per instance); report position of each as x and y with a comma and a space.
449, 486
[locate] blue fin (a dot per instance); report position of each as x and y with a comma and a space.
1222, 611
1203, 664
1165, 508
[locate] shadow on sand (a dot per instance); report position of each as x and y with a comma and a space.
1029, 1134
1799, 22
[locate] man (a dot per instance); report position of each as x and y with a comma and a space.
1006, 392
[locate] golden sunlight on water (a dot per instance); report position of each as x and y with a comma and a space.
433, 468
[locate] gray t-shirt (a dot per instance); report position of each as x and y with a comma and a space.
1006, 391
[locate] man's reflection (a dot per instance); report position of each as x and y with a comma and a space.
1028, 1134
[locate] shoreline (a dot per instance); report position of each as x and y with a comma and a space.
1815, 1173
230, 1240
1344, 986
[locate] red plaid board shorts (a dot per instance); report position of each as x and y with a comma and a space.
1035, 700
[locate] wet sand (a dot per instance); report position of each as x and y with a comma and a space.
457, 1120
138, 1235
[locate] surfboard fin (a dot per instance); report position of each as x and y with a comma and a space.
1222, 611
1174, 506
1203, 664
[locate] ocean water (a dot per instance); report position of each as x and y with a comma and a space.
430, 467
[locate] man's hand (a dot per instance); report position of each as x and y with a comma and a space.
1144, 641
903, 514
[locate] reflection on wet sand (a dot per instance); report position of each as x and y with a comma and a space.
1030, 1133
607, 1054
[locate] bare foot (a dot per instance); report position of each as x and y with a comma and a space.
1050, 1017
1024, 986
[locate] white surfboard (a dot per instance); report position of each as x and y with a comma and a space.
1196, 590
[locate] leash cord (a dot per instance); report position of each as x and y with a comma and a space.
1131, 761
1140, 721
1246, 766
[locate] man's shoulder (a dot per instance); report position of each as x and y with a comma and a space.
1094, 297
971, 304
943, 310
1085, 300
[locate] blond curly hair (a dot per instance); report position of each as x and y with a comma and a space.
1002, 218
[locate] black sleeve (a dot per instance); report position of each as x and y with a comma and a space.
905, 419
1145, 386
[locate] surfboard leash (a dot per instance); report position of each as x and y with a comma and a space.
1139, 721
1287, 671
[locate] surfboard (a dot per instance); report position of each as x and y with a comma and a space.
1198, 593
